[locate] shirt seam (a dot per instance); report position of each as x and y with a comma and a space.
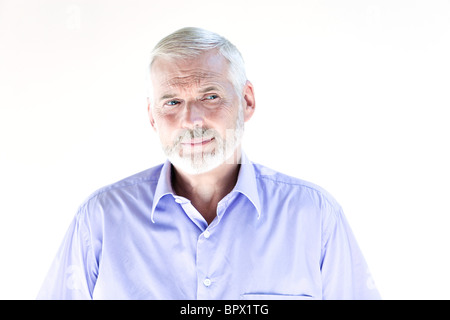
113, 187
334, 205
91, 250
83, 221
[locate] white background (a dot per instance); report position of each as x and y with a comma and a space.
351, 95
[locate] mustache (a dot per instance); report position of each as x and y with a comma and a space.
198, 132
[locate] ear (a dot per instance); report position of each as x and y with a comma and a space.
150, 114
249, 97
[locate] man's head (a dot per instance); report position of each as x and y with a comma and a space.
200, 98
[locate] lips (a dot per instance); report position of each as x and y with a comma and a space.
197, 142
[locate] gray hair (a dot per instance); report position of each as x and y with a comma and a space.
187, 43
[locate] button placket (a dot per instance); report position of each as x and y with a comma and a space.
205, 254
206, 248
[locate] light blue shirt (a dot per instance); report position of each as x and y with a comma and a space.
274, 237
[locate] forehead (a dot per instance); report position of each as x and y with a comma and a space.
207, 67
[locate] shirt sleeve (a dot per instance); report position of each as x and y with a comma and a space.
72, 275
345, 274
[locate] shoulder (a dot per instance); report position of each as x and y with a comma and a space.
277, 182
144, 181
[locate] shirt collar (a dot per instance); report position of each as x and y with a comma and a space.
163, 187
246, 184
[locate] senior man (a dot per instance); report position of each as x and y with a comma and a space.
208, 223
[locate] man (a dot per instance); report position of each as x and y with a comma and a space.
208, 223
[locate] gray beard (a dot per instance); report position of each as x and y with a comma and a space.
199, 160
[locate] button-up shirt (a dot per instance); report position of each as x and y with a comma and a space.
274, 237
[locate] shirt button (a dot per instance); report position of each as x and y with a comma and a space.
207, 282
178, 200
206, 234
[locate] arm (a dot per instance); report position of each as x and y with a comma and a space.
73, 272
345, 274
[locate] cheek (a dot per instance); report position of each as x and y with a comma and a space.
225, 123
225, 112
165, 129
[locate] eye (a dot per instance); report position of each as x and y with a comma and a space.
172, 103
211, 97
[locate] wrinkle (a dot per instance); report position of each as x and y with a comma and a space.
191, 80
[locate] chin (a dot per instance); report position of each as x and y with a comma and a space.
195, 165
202, 162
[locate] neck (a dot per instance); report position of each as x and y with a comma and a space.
205, 190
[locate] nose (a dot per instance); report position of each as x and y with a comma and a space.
193, 115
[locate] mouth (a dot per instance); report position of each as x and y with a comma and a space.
196, 142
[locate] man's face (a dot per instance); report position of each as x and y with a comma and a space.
197, 112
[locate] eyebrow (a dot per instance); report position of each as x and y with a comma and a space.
167, 96
208, 89
205, 90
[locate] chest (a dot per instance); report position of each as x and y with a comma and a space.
234, 257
